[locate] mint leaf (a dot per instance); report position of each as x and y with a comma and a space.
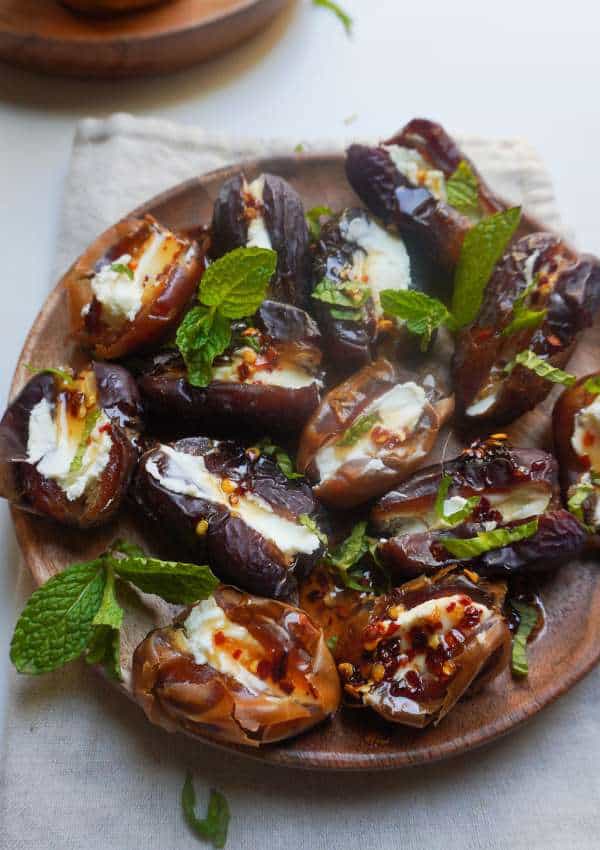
522, 316
421, 313
91, 418
308, 522
105, 644
485, 541
457, 516
57, 621
361, 426
592, 385
120, 268
60, 374
483, 246
332, 642
214, 826
313, 219
578, 496
124, 547
174, 581
345, 556
202, 335
237, 283
462, 190
530, 360
337, 10
349, 294
281, 458
528, 617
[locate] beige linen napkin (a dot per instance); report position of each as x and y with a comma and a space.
82, 767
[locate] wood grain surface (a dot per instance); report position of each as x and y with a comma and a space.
355, 739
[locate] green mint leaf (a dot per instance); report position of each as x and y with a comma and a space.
457, 516
346, 315
122, 269
214, 826
462, 190
530, 360
332, 642
361, 426
577, 498
592, 385
60, 374
174, 581
528, 617
308, 522
281, 458
421, 313
337, 10
313, 219
57, 621
485, 541
105, 643
237, 283
483, 246
348, 554
522, 316
299, 148
348, 294
124, 547
202, 335
91, 418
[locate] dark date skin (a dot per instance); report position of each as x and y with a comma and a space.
289, 336
564, 285
237, 552
26, 488
283, 215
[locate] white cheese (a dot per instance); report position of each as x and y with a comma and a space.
204, 621
399, 410
52, 446
520, 502
528, 267
481, 406
417, 171
258, 235
453, 504
292, 377
381, 262
586, 433
187, 474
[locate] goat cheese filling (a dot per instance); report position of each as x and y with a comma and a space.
417, 170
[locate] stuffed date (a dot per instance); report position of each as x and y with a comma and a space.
576, 425
370, 432
489, 487
266, 213
67, 444
539, 298
130, 288
268, 381
423, 646
234, 507
237, 668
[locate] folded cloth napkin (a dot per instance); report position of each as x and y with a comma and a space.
83, 769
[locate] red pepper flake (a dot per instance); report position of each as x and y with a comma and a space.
264, 668
105, 428
588, 439
554, 341
219, 638
286, 686
451, 607
236, 653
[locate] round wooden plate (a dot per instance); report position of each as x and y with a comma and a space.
46, 36
564, 652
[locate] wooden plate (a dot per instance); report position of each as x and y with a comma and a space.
565, 651
46, 36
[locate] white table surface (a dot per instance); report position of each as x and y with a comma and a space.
506, 69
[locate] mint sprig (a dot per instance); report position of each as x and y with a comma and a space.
281, 458
528, 617
121, 268
458, 516
77, 611
462, 190
311, 524
337, 10
592, 385
523, 316
532, 361
466, 548
214, 826
62, 375
422, 313
313, 219
346, 298
233, 287
361, 426
91, 419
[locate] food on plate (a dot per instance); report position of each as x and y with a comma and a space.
237, 668
539, 298
370, 432
234, 507
494, 508
67, 444
576, 425
423, 646
130, 288
266, 212
268, 380
355, 259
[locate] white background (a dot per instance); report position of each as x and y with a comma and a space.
500, 69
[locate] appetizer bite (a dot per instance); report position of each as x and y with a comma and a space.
237, 668
576, 425
494, 508
268, 380
266, 213
539, 298
236, 508
128, 291
356, 259
67, 444
423, 646
370, 432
